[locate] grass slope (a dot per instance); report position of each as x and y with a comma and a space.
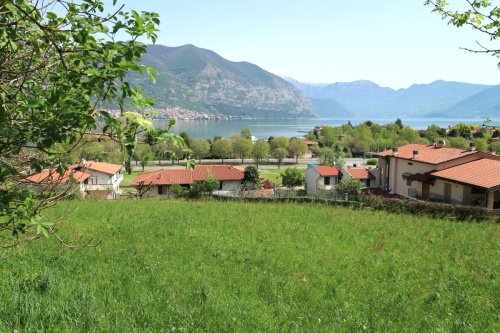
175, 266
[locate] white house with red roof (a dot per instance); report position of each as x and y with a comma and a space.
364, 175
105, 178
100, 180
321, 178
158, 183
53, 179
437, 172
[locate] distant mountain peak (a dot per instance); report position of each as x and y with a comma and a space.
200, 81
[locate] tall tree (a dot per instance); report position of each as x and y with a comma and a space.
222, 149
59, 62
242, 148
245, 133
260, 151
279, 149
200, 148
297, 148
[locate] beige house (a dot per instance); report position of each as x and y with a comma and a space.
321, 178
159, 183
418, 171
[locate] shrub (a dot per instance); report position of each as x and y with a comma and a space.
349, 186
197, 189
372, 161
292, 177
251, 179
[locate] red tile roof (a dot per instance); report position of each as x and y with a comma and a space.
188, 176
52, 176
328, 171
107, 168
360, 173
483, 173
428, 153
310, 142
218, 172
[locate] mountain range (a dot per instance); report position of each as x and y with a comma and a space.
198, 81
365, 99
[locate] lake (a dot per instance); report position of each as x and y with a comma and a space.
264, 128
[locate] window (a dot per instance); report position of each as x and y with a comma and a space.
408, 181
368, 182
93, 180
160, 189
327, 180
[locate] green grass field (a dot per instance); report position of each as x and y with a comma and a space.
274, 175
127, 178
176, 266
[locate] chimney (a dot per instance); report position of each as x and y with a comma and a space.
472, 146
415, 154
434, 143
394, 151
492, 151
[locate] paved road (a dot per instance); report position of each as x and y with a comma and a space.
269, 165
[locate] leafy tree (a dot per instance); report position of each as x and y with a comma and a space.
200, 148
458, 142
260, 151
186, 138
279, 149
242, 148
59, 62
251, 179
399, 123
245, 133
480, 15
160, 151
481, 144
326, 156
328, 136
349, 186
222, 149
331, 157
144, 154
297, 148
292, 177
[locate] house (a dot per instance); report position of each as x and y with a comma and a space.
158, 183
473, 183
365, 175
321, 178
97, 179
52, 180
105, 179
310, 147
437, 172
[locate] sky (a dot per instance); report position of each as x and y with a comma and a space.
394, 43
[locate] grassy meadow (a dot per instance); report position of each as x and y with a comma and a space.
177, 266
274, 175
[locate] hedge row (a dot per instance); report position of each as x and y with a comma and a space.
393, 205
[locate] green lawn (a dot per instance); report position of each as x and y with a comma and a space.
127, 179
176, 266
274, 175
